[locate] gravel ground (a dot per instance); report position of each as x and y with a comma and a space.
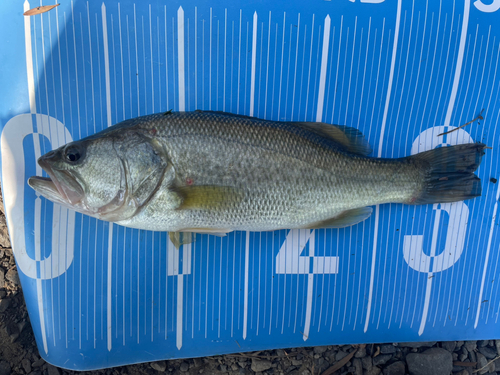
19, 354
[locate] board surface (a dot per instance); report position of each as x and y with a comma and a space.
402, 72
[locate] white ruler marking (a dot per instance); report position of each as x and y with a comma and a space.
110, 231
377, 209
180, 59
324, 65
245, 293
254, 57
460, 59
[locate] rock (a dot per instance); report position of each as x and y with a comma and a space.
497, 364
387, 349
434, 361
280, 353
259, 365
340, 355
4, 368
373, 371
472, 357
381, 359
26, 365
21, 325
4, 304
296, 362
459, 344
361, 353
482, 343
449, 345
159, 366
322, 365
12, 276
2, 294
367, 363
488, 352
2, 277
4, 236
223, 368
470, 346
463, 372
396, 368
497, 344
417, 344
463, 354
52, 370
358, 366
184, 367
39, 362
482, 362
320, 349
197, 362
14, 337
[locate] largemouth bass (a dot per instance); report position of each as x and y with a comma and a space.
213, 172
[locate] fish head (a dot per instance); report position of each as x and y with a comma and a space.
108, 177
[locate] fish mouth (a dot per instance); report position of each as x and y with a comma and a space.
60, 187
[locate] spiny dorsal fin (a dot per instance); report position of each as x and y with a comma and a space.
208, 196
351, 139
345, 219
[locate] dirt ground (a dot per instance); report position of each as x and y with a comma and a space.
19, 353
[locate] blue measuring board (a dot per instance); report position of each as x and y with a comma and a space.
402, 72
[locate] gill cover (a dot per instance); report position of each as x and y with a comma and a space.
144, 164
109, 177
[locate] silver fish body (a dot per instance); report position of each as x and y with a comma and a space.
212, 172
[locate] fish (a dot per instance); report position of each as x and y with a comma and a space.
216, 172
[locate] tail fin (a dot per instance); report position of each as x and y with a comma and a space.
450, 173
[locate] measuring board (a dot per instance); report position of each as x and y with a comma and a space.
402, 72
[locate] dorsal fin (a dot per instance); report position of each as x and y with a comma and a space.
351, 139
227, 114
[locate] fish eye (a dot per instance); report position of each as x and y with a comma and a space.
73, 154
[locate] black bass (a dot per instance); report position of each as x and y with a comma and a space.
213, 172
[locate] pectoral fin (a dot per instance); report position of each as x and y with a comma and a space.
345, 219
208, 197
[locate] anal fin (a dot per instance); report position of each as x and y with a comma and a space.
345, 219
213, 231
188, 235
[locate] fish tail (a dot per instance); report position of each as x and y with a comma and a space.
449, 175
